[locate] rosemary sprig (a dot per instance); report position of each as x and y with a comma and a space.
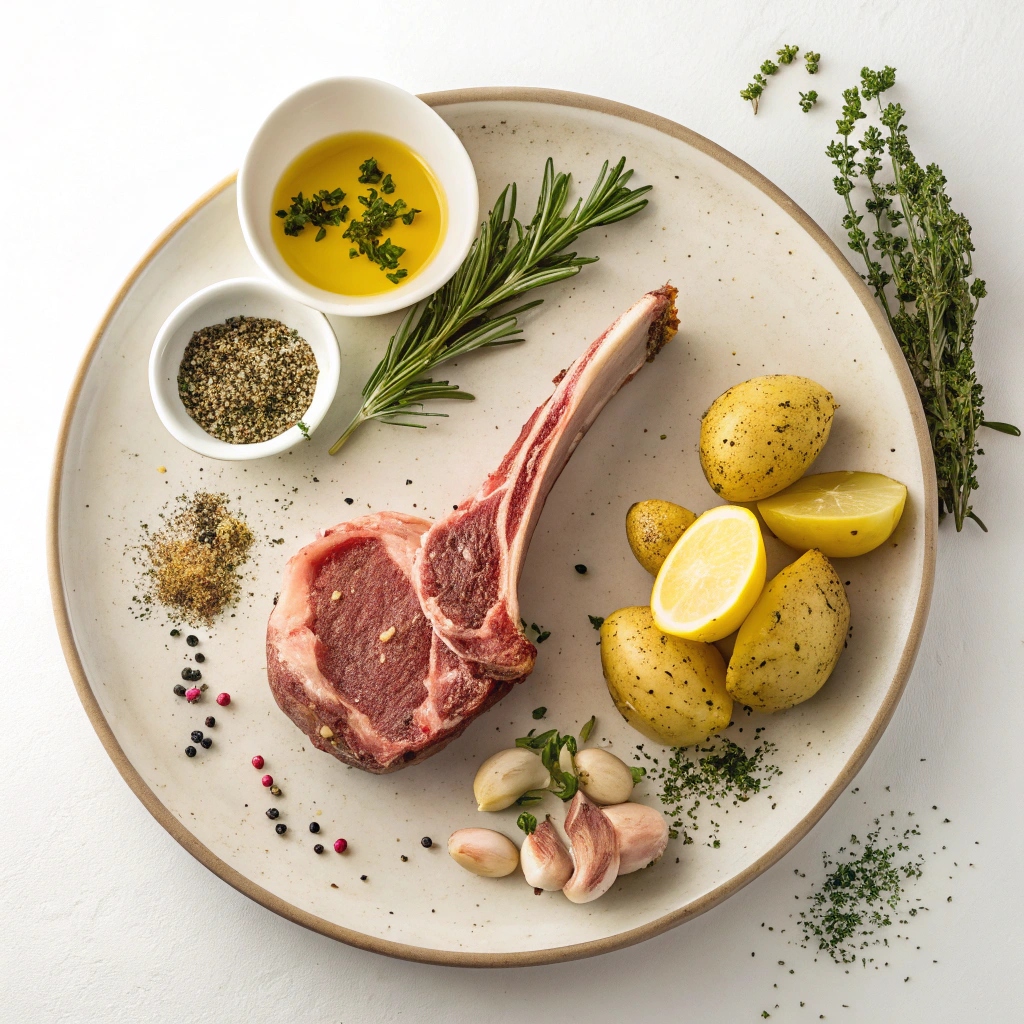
506, 260
924, 280
323, 210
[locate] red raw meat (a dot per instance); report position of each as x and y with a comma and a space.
467, 569
378, 704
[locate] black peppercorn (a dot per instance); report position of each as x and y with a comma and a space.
192, 640
427, 842
362, 878
280, 828
190, 751
175, 632
196, 675
186, 674
210, 721
179, 689
197, 736
581, 569
200, 657
272, 813
318, 848
314, 827
404, 858
206, 742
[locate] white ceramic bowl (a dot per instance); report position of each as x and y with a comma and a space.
243, 296
332, 107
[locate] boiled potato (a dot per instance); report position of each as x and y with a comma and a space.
652, 528
763, 434
671, 690
792, 638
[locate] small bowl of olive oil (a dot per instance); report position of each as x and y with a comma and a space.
357, 198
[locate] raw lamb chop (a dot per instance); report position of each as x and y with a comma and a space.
467, 569
351, 658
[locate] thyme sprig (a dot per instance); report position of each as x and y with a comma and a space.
322, 210
549, 745
507, 260
923, 278
756, 87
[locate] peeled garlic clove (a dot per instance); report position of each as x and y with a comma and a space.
642, 834
603, 777
546, 861
595, 850
504, 777
483, 851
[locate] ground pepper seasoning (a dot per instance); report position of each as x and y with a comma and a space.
194, 558
248, 379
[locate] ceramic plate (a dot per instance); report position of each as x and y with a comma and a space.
761, 290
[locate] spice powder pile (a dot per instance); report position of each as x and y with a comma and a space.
248, 379
195, 557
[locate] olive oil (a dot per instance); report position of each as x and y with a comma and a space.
335, 163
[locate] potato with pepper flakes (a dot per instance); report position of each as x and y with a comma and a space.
671, 690
653, 527
762, 435
790, 642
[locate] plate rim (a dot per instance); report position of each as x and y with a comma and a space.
574, 951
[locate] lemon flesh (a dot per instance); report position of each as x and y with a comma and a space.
841, 514
712, 577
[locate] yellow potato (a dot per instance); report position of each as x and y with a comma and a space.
763, 434
792, 638
671, 690
652, 528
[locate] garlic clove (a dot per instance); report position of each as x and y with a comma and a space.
545, 860
504, 777
595, 851
603, 777
483, 851
642, 834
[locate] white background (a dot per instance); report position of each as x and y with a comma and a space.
117, 116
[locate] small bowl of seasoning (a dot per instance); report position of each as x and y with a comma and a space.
357, 198
241, 370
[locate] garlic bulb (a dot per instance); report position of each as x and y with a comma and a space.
595, 851
642, 834
603, 777
545, 860
504, 777
483, 851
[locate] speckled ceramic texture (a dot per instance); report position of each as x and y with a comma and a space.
761, 290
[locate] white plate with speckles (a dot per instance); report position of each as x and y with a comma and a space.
761, 290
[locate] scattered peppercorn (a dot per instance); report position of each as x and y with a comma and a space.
404, 858
272, 813
267, 780
210, 721
190, 751
257, 761
362, 878
348, 501
276, 790
280, 828
314, 827
179, 690
197, 736
175, 632
200, 657
427, 842
318, 848
186, 674
193, 694
192, 640
223, 699
206, 742
581, 569
340, 845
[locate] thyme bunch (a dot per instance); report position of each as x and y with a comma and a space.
506, 260
923, 277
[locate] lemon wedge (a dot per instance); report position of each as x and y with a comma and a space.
712, 577
841, 514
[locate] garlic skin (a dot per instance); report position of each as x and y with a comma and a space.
603, 777
484, 852
545, 860
504, 777
641, 832
595, 850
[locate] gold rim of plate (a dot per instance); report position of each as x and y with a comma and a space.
695, 907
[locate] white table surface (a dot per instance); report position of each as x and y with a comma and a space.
115, 117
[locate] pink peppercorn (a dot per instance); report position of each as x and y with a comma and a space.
257, 761
267, 780
193, 694
340, 845
223, 699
